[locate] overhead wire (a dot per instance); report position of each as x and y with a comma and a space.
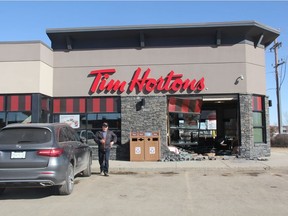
283, 78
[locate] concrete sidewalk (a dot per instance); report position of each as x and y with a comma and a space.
277, 160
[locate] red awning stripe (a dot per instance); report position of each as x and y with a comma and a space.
185, 105
78, 105
27, 102
109, 105
69, 105
197, 104
56, 105
172, 104
103, 105
14, 103
19, 103
95, 105
82, 105
257, 103
2, 103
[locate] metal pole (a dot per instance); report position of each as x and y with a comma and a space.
275, 47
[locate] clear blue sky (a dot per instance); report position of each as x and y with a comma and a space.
28, 20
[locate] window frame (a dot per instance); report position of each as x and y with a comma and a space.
260, 109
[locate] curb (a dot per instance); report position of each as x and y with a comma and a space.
278, 161
127, 167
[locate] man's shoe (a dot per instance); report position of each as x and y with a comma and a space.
106, 174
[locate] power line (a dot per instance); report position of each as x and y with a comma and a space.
283, 78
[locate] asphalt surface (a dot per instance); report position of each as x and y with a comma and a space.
208, 187
277, 160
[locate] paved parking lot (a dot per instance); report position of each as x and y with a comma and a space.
196, 192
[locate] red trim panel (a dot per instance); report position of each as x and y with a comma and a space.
56, 105
103, 105
69, 105
14, 103
257, 103
185, 105
96, 105
28, 102
19, 103
82, 105
2, 103
78, 105
109, 105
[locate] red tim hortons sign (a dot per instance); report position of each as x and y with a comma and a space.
142, 82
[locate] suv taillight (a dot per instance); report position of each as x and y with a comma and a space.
50, 152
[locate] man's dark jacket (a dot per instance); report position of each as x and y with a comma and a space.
110, 136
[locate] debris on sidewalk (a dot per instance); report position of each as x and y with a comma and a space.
173, 149
173, 153
199, 158
211, 156
225, 157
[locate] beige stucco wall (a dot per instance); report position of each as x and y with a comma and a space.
220, 66
255, 70
26, 67
32, 67
46, 79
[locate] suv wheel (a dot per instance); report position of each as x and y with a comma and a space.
68, 186
87, 172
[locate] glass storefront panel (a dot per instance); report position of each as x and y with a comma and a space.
95, 120
2, 119
187, 128
18, 117
257, 119
258, 135
91, 123
184, 128
85, 132
80, 127
259, 129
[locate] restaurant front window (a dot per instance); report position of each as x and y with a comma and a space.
86, 115
259, 129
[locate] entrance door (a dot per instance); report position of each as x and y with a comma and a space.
227, 125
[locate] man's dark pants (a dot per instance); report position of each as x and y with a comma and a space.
104, 156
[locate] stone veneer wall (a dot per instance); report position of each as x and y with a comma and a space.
118, 152
248, 148
152, 117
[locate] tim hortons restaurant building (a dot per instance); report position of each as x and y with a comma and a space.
200, 86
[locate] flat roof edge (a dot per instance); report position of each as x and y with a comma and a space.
25, 42
163, 26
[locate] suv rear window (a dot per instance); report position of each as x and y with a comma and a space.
24, 135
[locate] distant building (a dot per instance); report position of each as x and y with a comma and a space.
274, 129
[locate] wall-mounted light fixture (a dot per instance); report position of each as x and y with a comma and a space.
143, 102
140, 104
241, 77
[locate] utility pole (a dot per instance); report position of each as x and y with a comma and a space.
277, 64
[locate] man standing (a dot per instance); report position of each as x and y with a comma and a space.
105, 139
